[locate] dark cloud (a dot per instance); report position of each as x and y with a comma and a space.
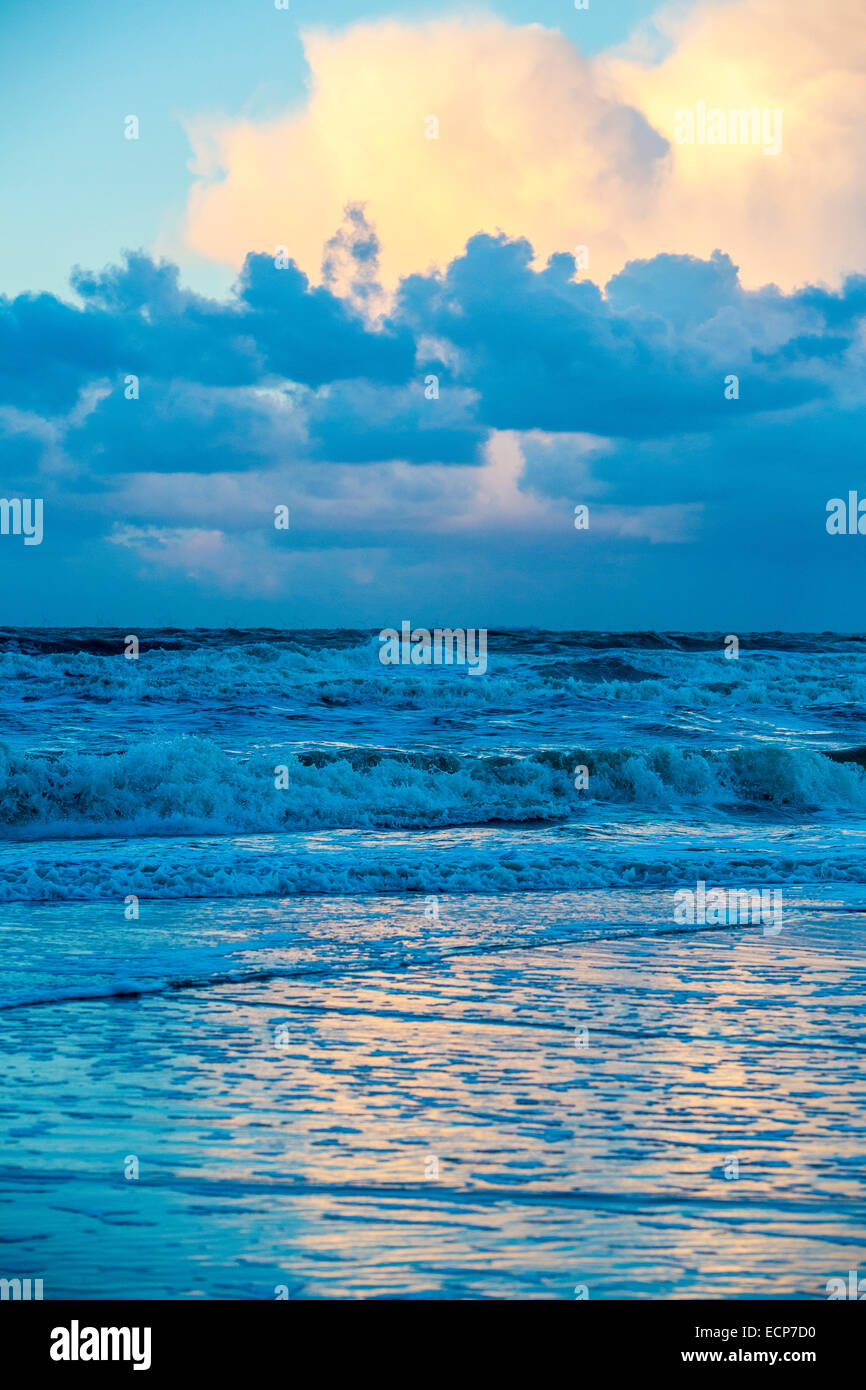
284, 373
185, 427
545, 351
136, 318
49, 350
358, 422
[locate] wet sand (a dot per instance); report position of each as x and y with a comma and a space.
509, 1118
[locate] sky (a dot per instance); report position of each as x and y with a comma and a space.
431, 277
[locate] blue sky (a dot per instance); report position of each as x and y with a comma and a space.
465, 337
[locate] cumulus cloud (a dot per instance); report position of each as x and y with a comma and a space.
136, 318
530, 139
539, 142
551, 393
283, 373
544, 351
794, 217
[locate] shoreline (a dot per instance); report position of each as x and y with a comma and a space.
286, 1130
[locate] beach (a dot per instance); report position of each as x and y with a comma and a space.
285, 1127
478, 1059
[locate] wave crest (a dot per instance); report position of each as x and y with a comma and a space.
188, 785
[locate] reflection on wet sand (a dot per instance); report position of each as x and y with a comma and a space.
654, 1116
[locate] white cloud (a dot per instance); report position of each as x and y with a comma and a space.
537, 141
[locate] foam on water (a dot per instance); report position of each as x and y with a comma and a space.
188, 785
150, 755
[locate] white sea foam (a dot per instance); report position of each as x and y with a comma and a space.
334, 676
188, 785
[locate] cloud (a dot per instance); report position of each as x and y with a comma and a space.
183, 426
544, 351
282, 374
790, 218
136, 318
357, 422
538, 142
531, 140
204, 556
47, 347
551, 393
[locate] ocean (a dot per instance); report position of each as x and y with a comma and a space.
322, 977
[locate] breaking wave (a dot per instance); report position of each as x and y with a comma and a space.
264, 673
291, 865
188, 785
